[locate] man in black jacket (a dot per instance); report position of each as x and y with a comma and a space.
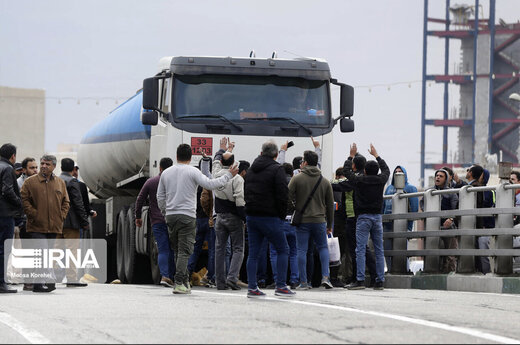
266, 195
368, 189
76, 217
10, 205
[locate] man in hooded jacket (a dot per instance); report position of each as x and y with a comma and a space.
413, 206
448, 202
266, 191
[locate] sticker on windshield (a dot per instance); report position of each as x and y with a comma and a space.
252, 115
314, 112
201, 144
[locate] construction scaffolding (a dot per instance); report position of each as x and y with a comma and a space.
486, 75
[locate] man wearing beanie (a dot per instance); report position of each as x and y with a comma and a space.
368, 189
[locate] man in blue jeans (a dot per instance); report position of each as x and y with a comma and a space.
368, 202
266, 207
318, 215
10, 206
159, 227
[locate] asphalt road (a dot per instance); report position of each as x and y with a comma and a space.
152, 314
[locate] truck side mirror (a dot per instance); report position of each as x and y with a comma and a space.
150, 93
149, 118
346, 125
346, 108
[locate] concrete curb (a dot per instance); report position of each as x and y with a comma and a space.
455, 282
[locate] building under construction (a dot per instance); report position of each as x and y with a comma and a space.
486, 75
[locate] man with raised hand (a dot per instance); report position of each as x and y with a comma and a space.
368, 189
176, 197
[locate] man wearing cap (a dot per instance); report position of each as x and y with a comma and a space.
18, 169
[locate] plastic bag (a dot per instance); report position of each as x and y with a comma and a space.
334, 252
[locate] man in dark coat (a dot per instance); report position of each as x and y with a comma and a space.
10, 205
266, 195
76, 219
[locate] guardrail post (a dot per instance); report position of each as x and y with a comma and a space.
504, 198
467, 201
432, 203
399, 205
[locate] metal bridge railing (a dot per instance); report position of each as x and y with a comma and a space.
466, 215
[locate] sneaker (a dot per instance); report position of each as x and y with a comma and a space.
76, 284
180, 289
271, 286
261, 284
44, 287
284, 292
256, 293
337, 283
304, 286
242, 284
211, 284
378, 286
294, 285
4, 288
166, 282
233, 285
325, 282
357, 285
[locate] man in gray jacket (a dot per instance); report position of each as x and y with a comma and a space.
76, 218
176, 198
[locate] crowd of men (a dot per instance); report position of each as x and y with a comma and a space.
42, 207
247, 213
284, 212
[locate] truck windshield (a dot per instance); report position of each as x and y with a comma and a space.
249, 99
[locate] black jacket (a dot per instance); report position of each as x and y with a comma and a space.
76, 217
265, 189
84, 197
368, 189
10, 200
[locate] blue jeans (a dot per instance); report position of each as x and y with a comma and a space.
203, 233
262, 262
370, 224
266, 227
290, 235
165, 256
318, 232
6, 233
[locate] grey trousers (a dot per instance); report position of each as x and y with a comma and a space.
483, 243
181, 230
228, 225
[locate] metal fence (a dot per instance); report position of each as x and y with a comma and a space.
466, 233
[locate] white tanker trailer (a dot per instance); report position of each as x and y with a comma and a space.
198, 100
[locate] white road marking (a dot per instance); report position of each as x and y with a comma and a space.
34, 337
433, 324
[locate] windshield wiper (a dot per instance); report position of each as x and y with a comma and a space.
279, 118
223, 118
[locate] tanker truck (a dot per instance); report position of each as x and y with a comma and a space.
198, 100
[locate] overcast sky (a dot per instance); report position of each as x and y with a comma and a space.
102, 50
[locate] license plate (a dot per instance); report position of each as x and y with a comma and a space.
201, 144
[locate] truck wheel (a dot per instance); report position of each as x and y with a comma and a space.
137, 269
154, 258
120, 244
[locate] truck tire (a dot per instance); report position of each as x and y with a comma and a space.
154, 258
137, 267
120, 245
